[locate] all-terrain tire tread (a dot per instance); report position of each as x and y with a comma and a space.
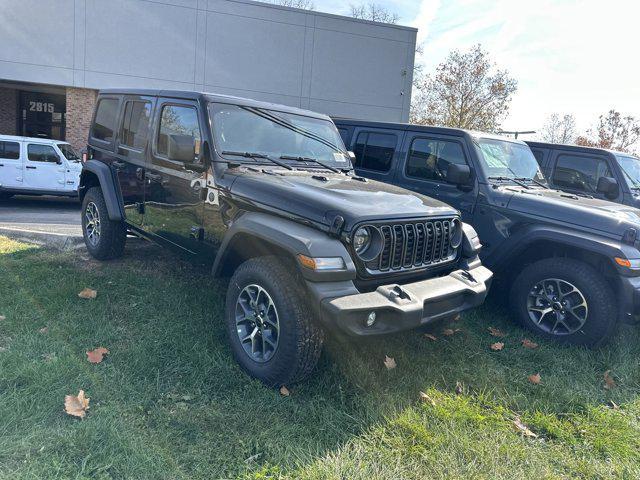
113, 234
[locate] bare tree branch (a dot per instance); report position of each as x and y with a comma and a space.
303, 4
559, 129
373, 12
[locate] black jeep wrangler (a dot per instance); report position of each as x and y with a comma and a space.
266, 193
570, 262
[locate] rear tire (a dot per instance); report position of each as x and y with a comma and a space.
566, 300
271, 328
103, 237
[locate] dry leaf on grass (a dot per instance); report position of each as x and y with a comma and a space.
522, 428
427, 399
535, 379
284, 391
430, 337
526, 343
97, 355
389, 362
495, 332
457, 318
450, 331
2, 317
88, 293
44, 330
609, 382
497, 346
459, 388
76, 406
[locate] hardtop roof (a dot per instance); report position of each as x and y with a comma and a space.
577, 148
17, 138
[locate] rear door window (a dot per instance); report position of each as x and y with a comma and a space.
374, 151
579, 172
10, 150
105, 122
135, 124
429, 158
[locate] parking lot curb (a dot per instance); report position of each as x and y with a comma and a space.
57, 241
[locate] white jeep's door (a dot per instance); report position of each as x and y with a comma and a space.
44, 168
10, 165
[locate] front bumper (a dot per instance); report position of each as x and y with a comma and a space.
403, 307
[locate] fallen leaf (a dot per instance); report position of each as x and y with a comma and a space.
389, 362
526, 343
253, 458
430, 337
609, 382
495, 332
459, 388
535, 379
427, 399
76, 406
457, 318
2, 317
497, 346
88, 293
449, 331
44, 330
49, 357
284, 391
96, 356
522, 428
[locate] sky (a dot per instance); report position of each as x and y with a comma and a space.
568, 56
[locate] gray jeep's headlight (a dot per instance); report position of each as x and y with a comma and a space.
362, 240
455, 238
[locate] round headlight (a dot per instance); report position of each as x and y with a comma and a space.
455, 238
361, 240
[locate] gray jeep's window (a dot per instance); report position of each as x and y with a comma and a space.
10, 150
630, 167
374, 151
104, 124
135, 124
578, 172
179, 132
42, 153
429, 159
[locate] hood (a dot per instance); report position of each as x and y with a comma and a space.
590, 213
321, 196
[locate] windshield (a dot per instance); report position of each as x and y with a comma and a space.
68, 152
500, 158
275, 134
631, 168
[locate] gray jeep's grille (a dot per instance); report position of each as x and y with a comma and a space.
412, 245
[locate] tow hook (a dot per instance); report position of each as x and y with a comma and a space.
398, 292
468, 276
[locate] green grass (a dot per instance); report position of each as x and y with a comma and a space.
169, 402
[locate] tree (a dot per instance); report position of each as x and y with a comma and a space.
613, 131
303, 4
559, 129
465, 91
373, 12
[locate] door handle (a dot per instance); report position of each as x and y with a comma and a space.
31, 168
139, 173
153, 177
118, 165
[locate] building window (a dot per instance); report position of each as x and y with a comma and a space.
580, 173
429, 159
374, 151
179, 133
10, 150
42, 153
135, 124
104, 124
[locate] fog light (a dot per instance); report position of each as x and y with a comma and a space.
371, 319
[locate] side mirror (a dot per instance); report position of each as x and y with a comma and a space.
608, 187
352, 156
458, 174
58, 160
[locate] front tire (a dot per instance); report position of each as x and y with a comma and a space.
271, 328
566, 300
103, 237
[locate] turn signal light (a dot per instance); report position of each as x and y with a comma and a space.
623, 262
321, 263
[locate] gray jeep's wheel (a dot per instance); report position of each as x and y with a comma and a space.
103, 237
565, 299
271, 329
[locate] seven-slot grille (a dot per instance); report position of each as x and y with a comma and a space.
410, 245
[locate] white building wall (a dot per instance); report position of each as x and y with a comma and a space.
323, 62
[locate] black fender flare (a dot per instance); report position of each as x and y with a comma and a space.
109, 187
290, 236
521, 240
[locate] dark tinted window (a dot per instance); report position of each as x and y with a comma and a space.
135, 124
539, 154
179, 135
580, 173
104, 124
42, 153
344, 133
68, 151
429, 159
374, 151
10, 150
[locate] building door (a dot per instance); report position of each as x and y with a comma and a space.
42, 115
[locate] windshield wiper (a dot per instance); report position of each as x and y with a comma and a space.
528, 179
510, 179
257, 155
309, 159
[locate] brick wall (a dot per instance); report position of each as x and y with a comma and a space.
80, 103
8, 111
